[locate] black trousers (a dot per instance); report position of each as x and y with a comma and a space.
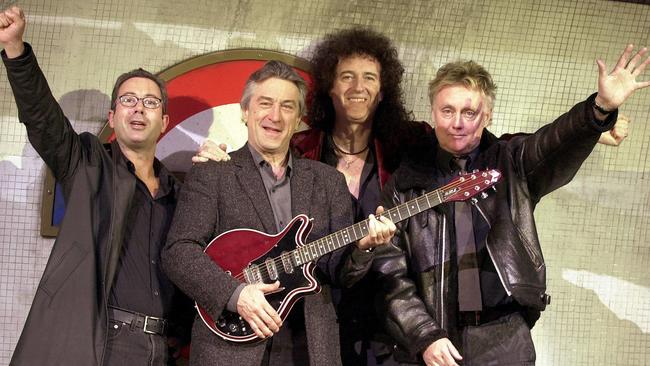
133, 347
503, 342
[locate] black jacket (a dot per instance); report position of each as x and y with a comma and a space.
67, 323
414, 271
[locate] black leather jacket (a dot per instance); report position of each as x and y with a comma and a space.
414, 270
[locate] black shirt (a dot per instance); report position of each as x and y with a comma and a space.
492, 291
354, 305
140, 284
369, 189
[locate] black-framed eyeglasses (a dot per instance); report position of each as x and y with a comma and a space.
129, 100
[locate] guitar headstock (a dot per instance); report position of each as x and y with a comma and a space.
468, 185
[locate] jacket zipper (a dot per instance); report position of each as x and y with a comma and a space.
503, 283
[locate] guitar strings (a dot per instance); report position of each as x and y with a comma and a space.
278, 260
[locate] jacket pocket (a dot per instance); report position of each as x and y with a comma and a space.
70, 260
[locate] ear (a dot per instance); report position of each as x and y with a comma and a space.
165, 123
433, 119
244, 116
488, 119
297, 124
110, 118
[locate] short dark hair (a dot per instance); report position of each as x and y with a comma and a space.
140, 73
279, 70
391, 117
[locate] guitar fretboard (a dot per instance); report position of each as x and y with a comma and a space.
461, 188
341, 238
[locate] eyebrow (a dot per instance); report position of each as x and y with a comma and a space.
272, 100
146, 95
363, 73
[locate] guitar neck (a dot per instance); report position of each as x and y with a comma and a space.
343, 237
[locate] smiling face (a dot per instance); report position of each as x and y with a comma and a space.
459, 115
138, 128
272, 116
356, 90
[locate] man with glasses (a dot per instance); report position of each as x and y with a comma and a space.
103, 299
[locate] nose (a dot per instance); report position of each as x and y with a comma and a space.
358, 84
274, 113
139, 105
457, 122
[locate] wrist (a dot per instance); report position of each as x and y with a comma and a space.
14, 49
601, 106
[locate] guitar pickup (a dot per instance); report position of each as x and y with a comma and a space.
252, 274
286, 262
271, 268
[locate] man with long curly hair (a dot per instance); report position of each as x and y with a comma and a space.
360, 126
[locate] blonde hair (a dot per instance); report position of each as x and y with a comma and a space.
466, 73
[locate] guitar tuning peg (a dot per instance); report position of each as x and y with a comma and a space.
473, 200
475, 171
494, 188
484, 195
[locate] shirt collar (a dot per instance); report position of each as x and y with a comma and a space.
165, 179
444, 159
260, 162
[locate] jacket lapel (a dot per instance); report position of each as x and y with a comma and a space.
302, 185
123, 190
251, 182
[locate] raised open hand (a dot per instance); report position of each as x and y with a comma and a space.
615, 87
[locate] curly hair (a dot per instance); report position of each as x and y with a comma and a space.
391, 117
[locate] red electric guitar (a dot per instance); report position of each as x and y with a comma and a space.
243, 252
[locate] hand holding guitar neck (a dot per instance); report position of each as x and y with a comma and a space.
380, 231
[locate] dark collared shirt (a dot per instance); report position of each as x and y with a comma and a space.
278, 190
284, 347
492, 291
140, 284
369, 190
359, 321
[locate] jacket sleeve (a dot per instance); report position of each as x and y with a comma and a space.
48, 129
407, 319
551, 157
195, 220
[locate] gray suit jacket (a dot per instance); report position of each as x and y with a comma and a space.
218, 197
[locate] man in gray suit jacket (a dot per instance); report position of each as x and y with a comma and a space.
262, 187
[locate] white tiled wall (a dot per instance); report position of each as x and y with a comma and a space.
541, 53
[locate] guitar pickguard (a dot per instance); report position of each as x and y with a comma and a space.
233, 251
